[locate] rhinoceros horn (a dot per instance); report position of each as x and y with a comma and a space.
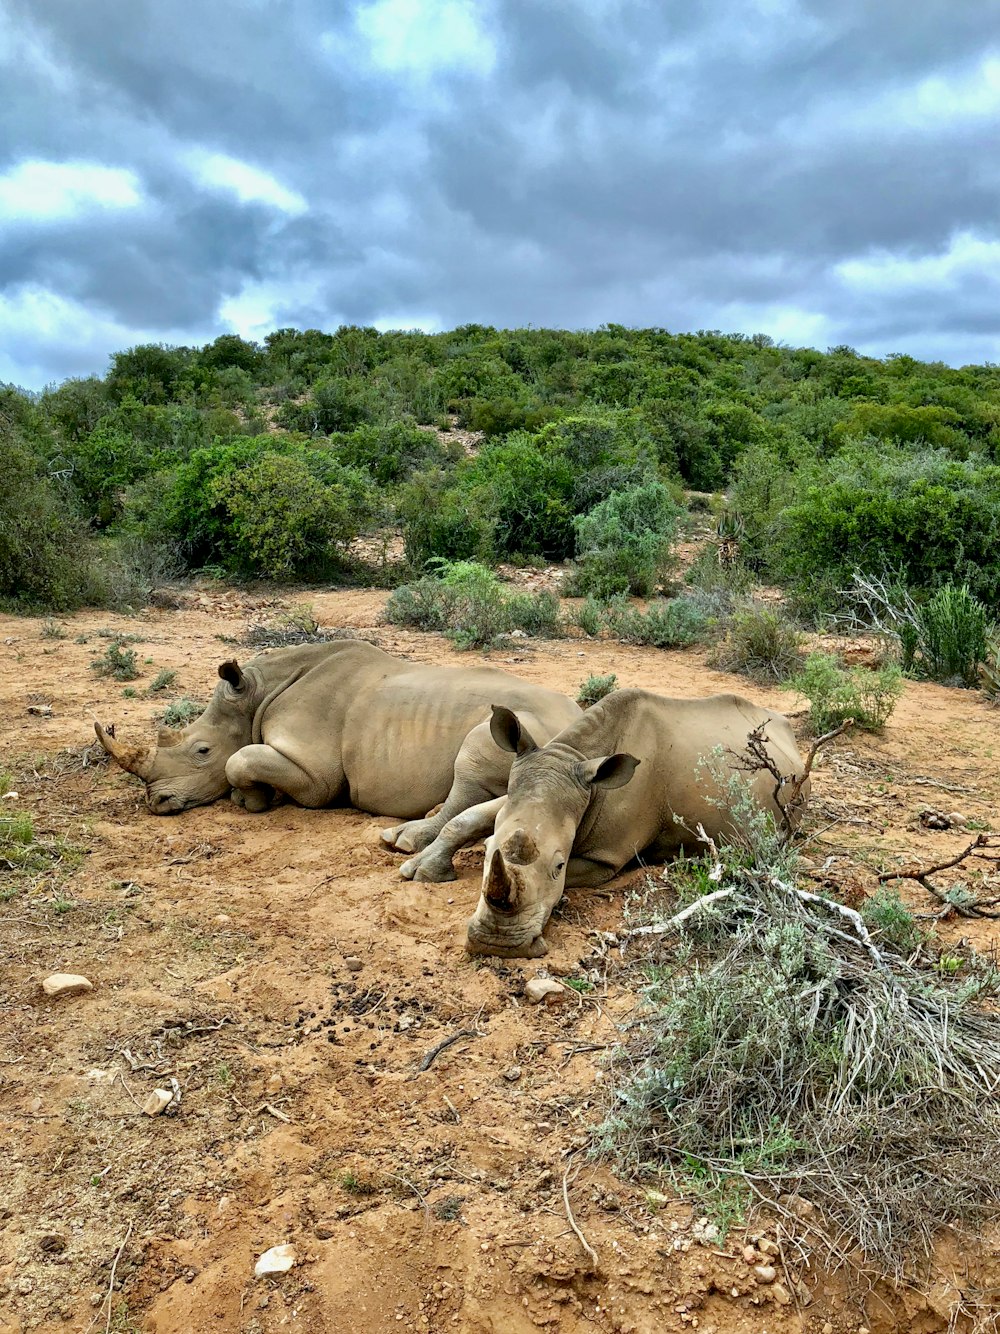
134, 759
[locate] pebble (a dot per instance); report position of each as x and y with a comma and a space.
781, 1294
352, 963
827, 1328
52, 1243
222, 919
538, 989
750, 1255
66, 984
956, 817
768, 1247
512, 1074
278, 1260
157, 1101
765, 1273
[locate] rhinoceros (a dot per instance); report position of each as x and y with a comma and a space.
345, 722
633, 777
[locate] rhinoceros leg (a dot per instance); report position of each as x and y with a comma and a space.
257, 772
481, 773
434, 864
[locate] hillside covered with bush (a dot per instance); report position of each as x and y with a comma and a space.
268, 461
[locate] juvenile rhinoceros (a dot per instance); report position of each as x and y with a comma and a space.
632, 777
344, 722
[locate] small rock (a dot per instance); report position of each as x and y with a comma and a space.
765, 1273
324, 1231
781, 1294
956, 817
274, 1084
10, 796
538, 989
157, 1101
512, 1074
750, 1255
66, 984
768, 1247
40, 710
222, 919
278, 1260
352, 963
25, 1285
827, 1328
800, 1207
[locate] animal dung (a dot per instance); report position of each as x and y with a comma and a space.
547, 989
66, 984
158, 1101
278, 1260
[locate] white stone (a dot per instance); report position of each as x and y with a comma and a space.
546, 989
278, 1260
66, 984
157, 1101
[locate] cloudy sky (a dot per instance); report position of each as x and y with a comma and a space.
173, 169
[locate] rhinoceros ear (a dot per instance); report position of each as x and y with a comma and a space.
230, 672
608, 771
508, 733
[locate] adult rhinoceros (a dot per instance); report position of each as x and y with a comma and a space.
632, 777
344, 722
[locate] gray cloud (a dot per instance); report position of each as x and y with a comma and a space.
822, 173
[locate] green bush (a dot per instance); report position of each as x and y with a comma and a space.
118, 661
595, 688
950, 638
46, 561
836, 694
623, 544
760, 642
389, 453
931, 516
888, 916
284, 521
675, 624
468, 603
442, 521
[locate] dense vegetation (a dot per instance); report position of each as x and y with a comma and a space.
268, 461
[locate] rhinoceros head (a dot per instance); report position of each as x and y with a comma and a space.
188, 768
524, 877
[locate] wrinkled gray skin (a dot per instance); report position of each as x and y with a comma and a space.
629, 779
346, 723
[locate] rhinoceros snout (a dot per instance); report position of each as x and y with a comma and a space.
535, 948
165, 803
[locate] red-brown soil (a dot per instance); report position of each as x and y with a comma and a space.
216, 942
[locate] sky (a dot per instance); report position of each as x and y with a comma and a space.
822, 172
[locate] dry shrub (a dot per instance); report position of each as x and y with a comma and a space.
780, 1051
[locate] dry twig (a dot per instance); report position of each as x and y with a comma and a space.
594, 1262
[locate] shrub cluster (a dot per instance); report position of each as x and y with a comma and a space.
468, 603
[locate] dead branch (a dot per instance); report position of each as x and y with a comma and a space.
664, 928
435, 1052
788, 796
922, 875
594, 1262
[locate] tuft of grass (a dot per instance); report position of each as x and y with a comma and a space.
760, 642
448, 1209
595, 688
836, 693
163, 679
53, 630
355, 1185
180, 712
117, 661
891, 921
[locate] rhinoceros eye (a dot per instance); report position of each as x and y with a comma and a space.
202, 749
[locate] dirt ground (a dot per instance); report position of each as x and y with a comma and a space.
217, 943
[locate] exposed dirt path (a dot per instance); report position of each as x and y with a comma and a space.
218, 945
